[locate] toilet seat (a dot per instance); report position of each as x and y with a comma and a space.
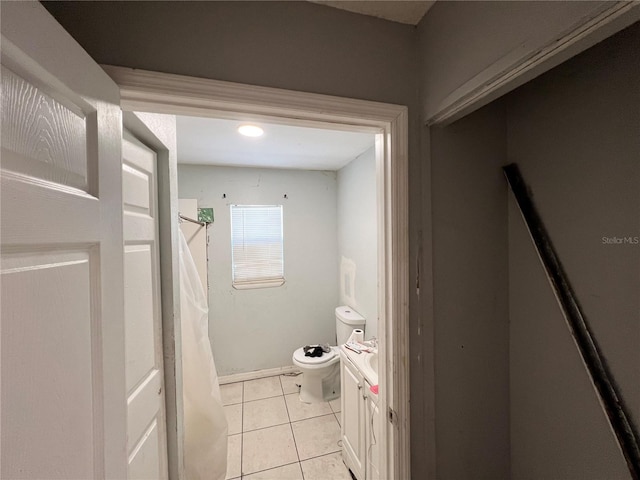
300, 357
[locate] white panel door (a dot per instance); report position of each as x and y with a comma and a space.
146, 433
62, 382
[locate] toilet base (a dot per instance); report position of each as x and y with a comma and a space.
320, 385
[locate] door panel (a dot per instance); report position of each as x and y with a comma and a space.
43, 134
147, 445
143, 406
63, 410
62, 281
139, 313
143, 462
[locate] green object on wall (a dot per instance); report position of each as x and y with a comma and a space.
205, 215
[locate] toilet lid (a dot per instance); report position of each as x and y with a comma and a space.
300, 357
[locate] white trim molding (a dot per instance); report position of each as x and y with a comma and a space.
515, 70
181, 95
256, 374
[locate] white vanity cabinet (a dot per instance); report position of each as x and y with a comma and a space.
359, 422
372, 435
353, 417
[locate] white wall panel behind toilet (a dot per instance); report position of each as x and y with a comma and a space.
358, 238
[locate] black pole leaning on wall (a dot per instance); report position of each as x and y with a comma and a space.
602, 379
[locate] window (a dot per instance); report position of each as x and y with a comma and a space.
257, 254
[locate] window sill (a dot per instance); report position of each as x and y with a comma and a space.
252, 285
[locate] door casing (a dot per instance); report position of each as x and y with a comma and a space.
144, 91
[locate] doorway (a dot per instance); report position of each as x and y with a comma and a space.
294, 212
174, 94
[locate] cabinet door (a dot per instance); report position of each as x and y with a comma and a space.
353, 439
372, 430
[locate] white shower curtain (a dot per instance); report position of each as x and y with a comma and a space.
205, 425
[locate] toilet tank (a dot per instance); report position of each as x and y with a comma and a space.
347, 319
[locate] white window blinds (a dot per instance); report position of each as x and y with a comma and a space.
257, 246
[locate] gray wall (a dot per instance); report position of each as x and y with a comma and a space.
260, 328
294, 45
574, 133
308, 47
358, 234
282, 44
470, 297
460, 45
466, 44
558, 429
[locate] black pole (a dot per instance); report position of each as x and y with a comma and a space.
600, 376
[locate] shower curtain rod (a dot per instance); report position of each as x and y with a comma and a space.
188, 219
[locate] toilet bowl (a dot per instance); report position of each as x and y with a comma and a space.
321, 375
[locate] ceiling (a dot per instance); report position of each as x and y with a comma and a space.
210, 141
409, 12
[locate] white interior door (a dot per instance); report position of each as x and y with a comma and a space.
146, 431
63, 410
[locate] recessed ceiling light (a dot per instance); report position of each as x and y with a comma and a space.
250, 130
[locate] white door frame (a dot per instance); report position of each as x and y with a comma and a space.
144, 91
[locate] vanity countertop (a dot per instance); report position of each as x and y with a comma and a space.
365, 362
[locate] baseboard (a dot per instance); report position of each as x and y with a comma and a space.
243, 377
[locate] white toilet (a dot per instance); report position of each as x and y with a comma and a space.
321, 375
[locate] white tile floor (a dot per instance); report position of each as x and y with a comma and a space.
274, 436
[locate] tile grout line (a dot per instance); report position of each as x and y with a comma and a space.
264, 428
265, 398
268, 396
272, 468
242, 434
317, 416
292, 463
290, 421
293, 435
